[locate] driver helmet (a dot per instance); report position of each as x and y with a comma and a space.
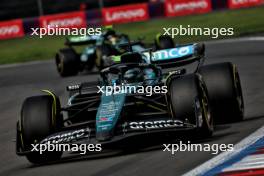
111, 36
133, 75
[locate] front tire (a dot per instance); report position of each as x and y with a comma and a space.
67, 62
189, 102
225, 92
40, 117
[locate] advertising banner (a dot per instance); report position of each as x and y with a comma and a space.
125, 14
236, 4
65, 20
187, 7
11, 29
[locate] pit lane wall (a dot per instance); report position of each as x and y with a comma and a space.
120, 14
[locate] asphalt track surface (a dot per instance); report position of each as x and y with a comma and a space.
17, 83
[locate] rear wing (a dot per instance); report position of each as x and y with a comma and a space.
83, 40
178, 56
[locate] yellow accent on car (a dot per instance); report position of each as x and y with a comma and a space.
151, 106
54, 109
109, 27
157, 38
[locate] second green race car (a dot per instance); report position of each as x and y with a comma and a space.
97, 50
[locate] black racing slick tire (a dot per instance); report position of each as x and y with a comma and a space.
164, 42
190, 103
40, 117
67, 62
225, 92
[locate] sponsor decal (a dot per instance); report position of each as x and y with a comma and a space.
155, 124
109, 109
65, 20
183, 7
69, 136
126, 13
168, 54
105, 119
234, 4
11, 29
73, 87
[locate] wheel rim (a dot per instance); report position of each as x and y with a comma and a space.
59, 66
199, 112
238, 92
206, 109
203, 111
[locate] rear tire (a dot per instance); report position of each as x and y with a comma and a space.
225, 93
189, 102
67, 62
38, 120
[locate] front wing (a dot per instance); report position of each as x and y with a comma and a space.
86, 135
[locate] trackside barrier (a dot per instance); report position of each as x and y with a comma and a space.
120, 14
66, 20
11, 29
183, 7
236, 4
125, 14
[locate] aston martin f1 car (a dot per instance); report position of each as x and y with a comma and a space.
97, 49
69, 62
193, 102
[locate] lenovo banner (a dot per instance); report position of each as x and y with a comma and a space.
65, 20
186, 7
124, 14
11, 29
235, 4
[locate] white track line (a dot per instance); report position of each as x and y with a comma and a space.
219, 159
